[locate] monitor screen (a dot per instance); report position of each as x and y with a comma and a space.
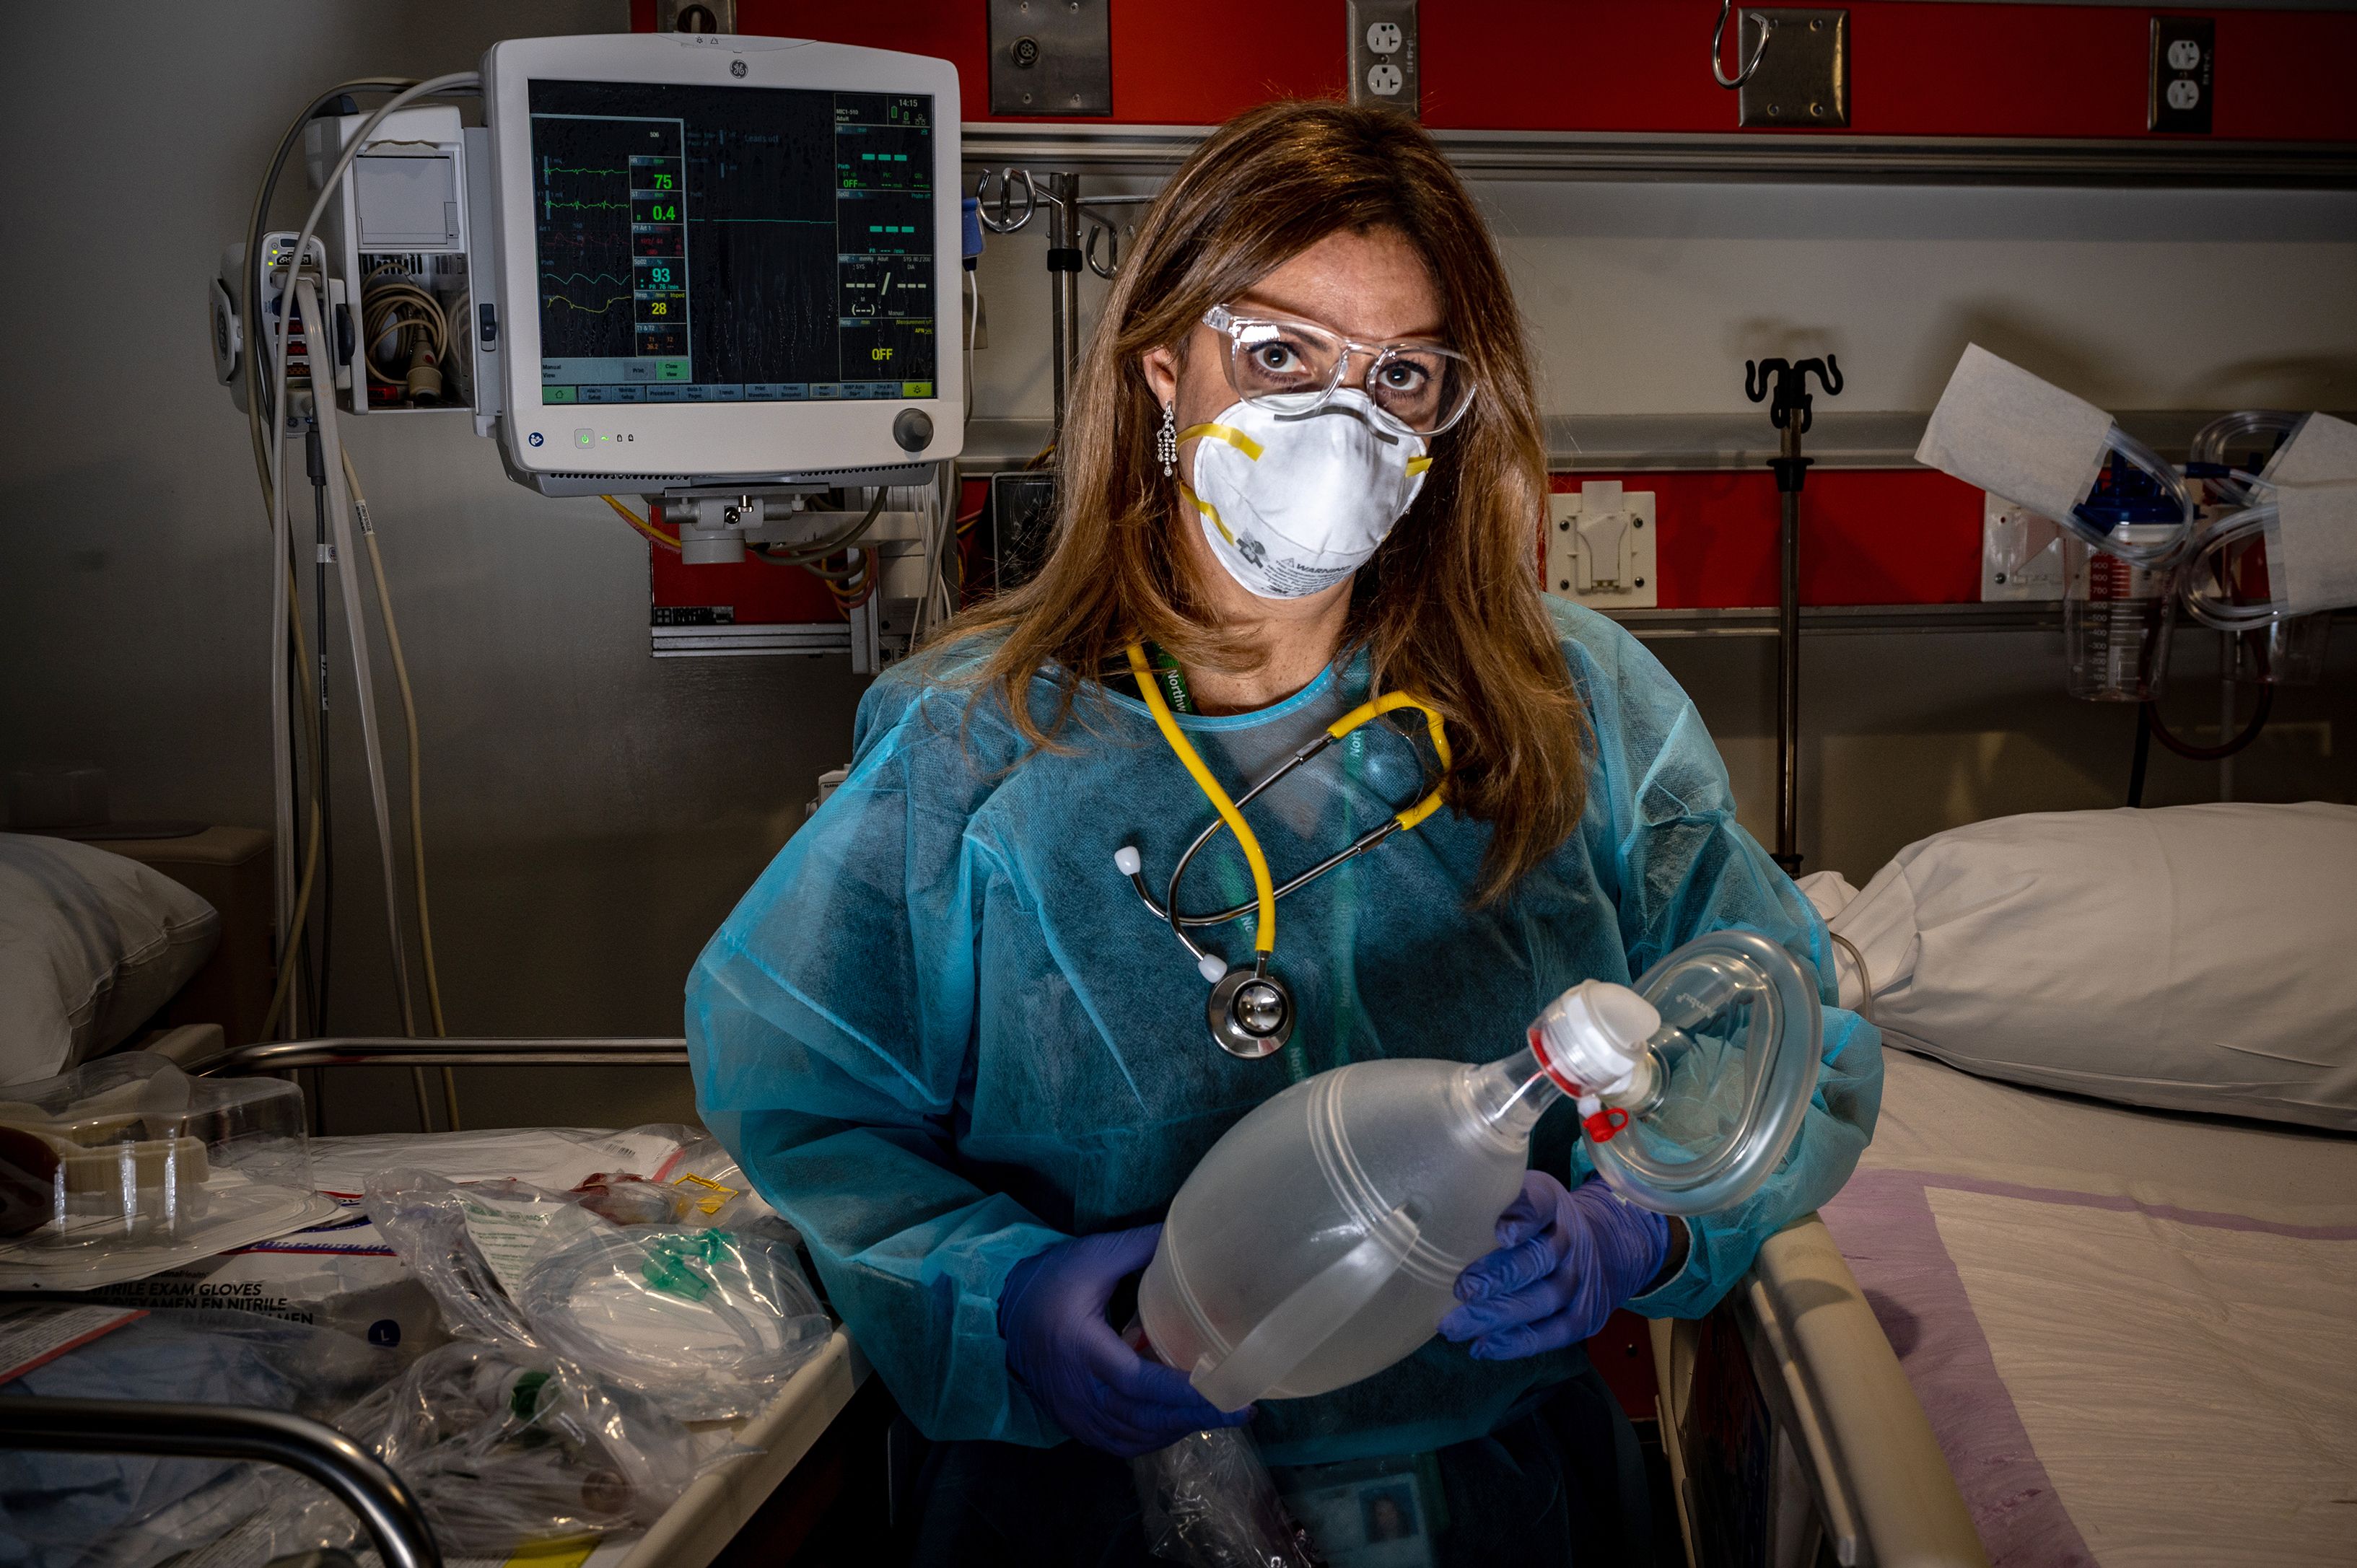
732, 244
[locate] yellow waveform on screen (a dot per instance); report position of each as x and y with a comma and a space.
586, 309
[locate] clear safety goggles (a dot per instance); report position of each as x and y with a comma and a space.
1296, 367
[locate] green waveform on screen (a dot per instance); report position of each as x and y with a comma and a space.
585, 309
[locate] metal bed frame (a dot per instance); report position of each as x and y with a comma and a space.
1793, 1434
385, 1506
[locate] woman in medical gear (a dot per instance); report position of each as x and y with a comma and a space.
951, 1043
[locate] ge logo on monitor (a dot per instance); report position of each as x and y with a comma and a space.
735, 68
536, 438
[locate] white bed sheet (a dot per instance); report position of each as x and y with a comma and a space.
2134, 1332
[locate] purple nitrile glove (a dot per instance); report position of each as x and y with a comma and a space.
1564, 1260
1061, 1348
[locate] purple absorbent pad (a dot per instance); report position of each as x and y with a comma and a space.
1882, 1222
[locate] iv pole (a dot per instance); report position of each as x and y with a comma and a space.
1791, 412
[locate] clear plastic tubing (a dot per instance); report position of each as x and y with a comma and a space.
2165, 474
1320, 1239
2202, 602
2212, 443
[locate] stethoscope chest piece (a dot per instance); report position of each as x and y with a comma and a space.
1251, 1012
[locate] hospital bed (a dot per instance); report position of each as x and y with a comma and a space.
2128, 1336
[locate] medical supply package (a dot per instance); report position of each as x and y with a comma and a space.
626, 1277
128, 1166
337, 1274
2312, 544
2001, 429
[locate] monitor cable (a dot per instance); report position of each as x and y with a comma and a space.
416, 790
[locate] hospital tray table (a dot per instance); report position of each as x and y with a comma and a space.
718, 1505
713, 1510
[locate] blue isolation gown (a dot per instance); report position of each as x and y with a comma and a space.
941, 1033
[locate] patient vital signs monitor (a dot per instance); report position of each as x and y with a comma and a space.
723, 261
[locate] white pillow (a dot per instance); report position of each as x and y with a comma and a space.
90, 945
2199, 958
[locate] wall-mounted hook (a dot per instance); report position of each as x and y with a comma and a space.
1115, 240
1005, 221
1717, 34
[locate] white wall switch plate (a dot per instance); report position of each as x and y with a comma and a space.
2022, 554
1600, 547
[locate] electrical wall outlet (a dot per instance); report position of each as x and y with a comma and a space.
1382, 54
2184, 62
1600, 547
2021, 553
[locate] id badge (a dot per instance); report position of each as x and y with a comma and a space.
1369, 1513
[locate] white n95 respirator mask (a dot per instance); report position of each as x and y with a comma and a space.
1293, 504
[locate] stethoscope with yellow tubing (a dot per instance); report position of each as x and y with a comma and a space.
1251, 1010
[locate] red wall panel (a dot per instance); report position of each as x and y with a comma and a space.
1867, 537
1956, 69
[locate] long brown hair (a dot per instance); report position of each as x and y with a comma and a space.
1448, 608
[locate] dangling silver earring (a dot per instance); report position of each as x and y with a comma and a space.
1166, 440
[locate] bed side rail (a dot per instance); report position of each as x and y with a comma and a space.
388, 1510
456, 1050
1842, 1411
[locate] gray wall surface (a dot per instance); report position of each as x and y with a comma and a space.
593, 812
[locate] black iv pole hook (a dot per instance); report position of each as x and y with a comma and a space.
1792, 386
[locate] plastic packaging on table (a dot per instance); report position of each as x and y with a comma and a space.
707, 1319
1319, 1240
337, 1274
554, 1159
504, 1448
1207, 1501
703, 1317
699, 1185
127, 1166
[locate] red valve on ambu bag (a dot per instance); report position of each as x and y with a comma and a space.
1602, 1125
